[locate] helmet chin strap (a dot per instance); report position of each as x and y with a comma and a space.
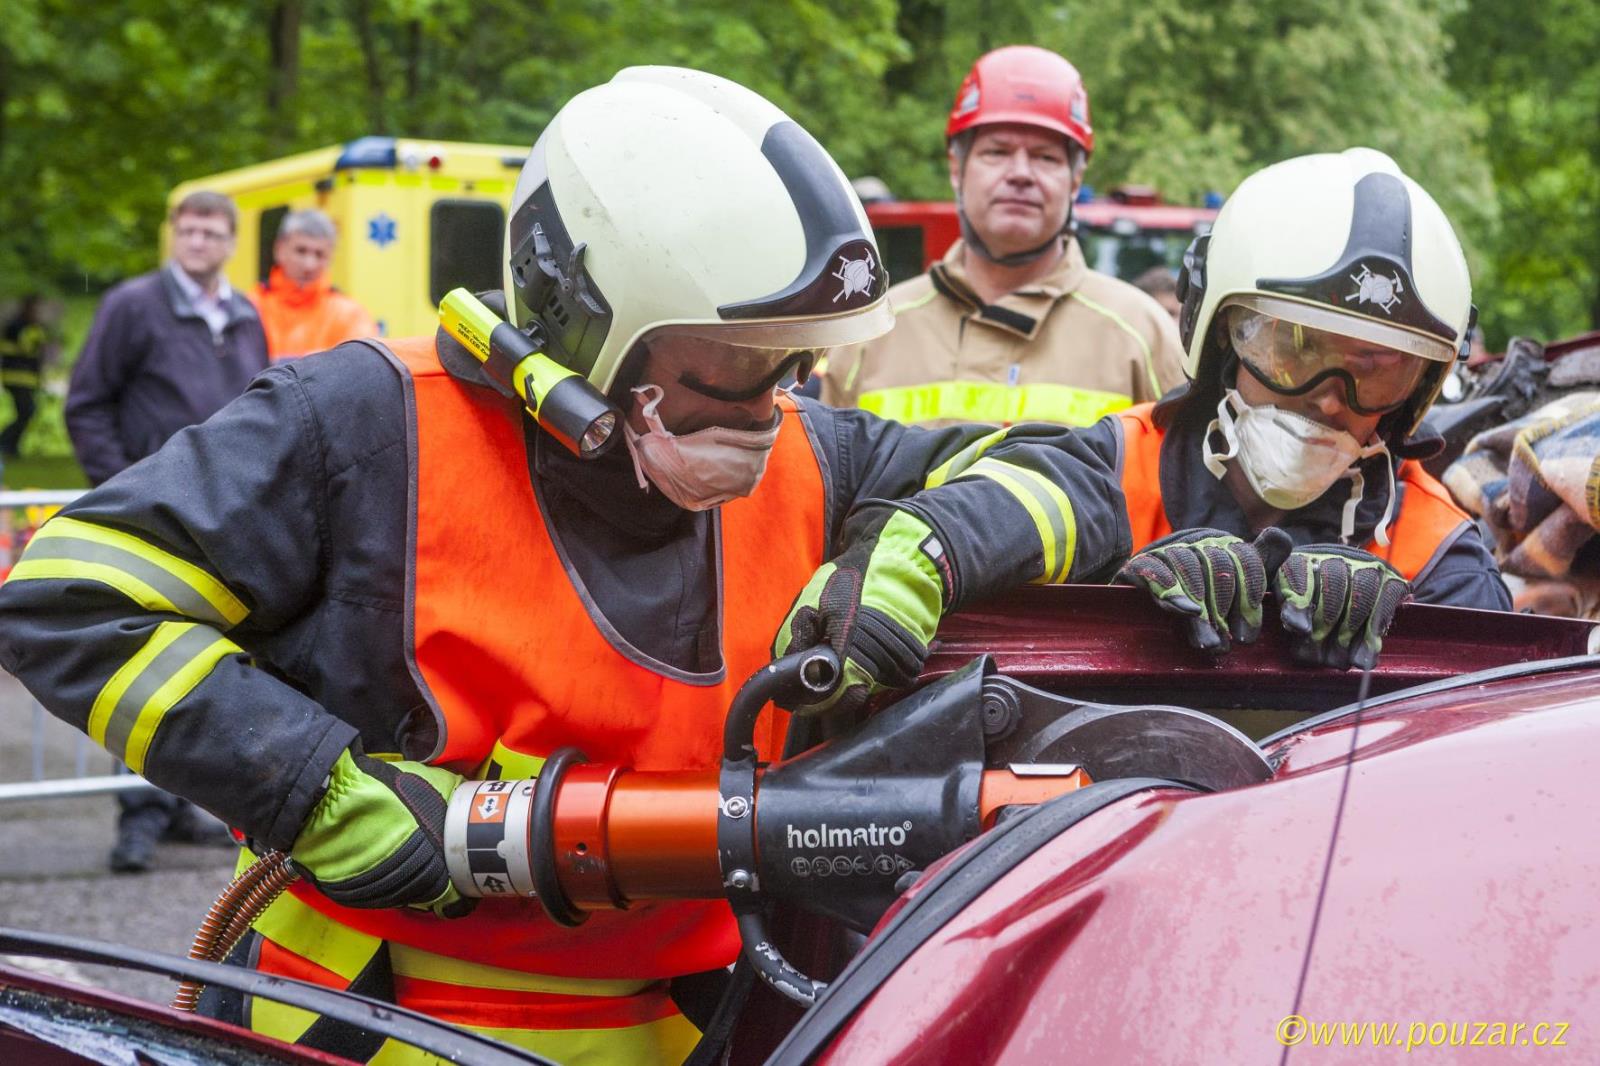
1031, 255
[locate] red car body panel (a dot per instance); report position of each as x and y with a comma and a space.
1462, 887
1111, 641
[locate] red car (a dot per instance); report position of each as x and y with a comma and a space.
1417, 873
1408, 871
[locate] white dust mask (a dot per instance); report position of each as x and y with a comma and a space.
700, 470
1290, 460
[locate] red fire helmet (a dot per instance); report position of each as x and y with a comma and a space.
1027, 85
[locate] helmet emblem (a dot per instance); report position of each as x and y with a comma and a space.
969, 102
1376, 289
855, 276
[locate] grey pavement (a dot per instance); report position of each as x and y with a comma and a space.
53, 873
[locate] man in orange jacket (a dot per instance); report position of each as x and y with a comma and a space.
1320, 317
301, 311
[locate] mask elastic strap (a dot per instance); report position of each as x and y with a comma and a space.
1382, 532
630, 436
1347, 523
1222, 424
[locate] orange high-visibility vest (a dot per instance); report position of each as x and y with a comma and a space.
1427, 519
517, 664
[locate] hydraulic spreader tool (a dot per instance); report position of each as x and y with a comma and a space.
839, 830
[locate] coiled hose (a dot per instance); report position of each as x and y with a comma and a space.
230, 917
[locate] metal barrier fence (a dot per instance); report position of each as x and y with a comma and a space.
38, 786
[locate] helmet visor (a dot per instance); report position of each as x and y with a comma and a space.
1291, 358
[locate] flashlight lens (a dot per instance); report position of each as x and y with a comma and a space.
599, 431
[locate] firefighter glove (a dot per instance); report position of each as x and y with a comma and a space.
1213, 580
1337, 603
376, 837
876, 604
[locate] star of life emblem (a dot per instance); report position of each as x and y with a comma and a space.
855, 276
1376, 289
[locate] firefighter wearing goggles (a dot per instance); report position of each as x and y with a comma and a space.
374, 575
1319, 318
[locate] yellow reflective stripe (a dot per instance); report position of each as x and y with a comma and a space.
964, 458
307, 932
508, 764
412, 962
914, 304
129, 709
989, 401
66, 548
1149, 363
1048, 506
298, 927
279, 1020
855, 369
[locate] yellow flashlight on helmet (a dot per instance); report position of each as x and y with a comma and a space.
562, 401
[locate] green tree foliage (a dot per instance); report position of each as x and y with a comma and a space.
1491, 104
1192, 97
1532, 70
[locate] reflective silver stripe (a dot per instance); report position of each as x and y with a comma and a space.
161, 669
179, 593
1058, 555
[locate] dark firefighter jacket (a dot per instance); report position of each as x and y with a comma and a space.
279, 526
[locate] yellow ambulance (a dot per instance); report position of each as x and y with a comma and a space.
416, 219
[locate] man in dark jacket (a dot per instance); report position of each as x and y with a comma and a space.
168, 349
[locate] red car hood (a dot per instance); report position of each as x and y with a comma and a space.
1444, 873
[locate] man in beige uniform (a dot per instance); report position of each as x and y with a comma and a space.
1012, 325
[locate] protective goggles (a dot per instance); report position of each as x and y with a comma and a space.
705, 362
736, 382
1379, 366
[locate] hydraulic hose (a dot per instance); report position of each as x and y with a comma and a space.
230, 917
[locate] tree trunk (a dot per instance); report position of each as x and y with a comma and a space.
920, 23
283, 80
5, 96
413, 66
361, 20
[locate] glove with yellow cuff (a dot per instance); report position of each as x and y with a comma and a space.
376, 837
877, 605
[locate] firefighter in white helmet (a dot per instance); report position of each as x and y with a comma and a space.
1320, 317
374, 575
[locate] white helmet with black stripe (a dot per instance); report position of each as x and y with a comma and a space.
672, 197
1342, 243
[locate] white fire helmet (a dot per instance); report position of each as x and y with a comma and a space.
671, 197
1343, 243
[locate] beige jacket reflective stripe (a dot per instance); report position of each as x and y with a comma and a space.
1070, 348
